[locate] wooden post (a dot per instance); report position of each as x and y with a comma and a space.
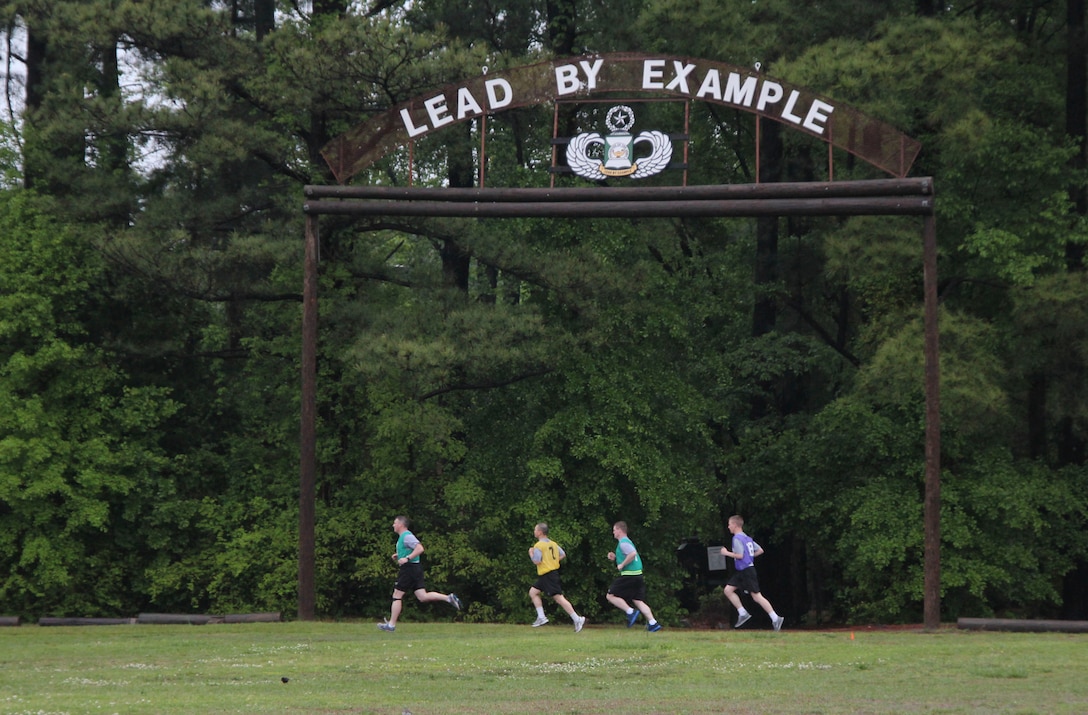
932, 509
307, 594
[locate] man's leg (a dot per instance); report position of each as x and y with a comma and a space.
538, 604
776, 620
742, 614
651, 623
565, 605
731, 594
578, 621
395, 608
426, 596
763, 602
644, 609
623, 605
618, 602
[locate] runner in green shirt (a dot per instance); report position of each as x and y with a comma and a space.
410, 576
628, 591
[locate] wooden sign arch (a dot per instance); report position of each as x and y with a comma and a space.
623, 74
840, 126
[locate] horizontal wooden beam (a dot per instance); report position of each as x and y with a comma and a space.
879, 206
922, 186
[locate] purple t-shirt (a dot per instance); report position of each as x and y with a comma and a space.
743, 545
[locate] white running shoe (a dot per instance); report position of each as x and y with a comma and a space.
741, 620
540, 621
778, 623
579, 621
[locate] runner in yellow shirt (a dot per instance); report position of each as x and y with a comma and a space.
547, 554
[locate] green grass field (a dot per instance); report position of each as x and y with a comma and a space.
462, 668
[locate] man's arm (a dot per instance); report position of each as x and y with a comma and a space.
734, 554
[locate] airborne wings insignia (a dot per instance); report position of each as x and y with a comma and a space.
617, 150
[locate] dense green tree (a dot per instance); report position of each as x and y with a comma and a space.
80, 458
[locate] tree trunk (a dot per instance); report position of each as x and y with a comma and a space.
562, 28
1037, 431
48, 164
1076, 113
113, 148
766, 268
264, 17
335, 8
37, 49
765, 310
460, 172
491, 278
926, 8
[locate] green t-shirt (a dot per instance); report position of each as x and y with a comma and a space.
624, 547
405, 544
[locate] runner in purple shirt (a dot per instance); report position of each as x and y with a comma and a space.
744, 552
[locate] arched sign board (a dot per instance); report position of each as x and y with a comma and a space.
617, 74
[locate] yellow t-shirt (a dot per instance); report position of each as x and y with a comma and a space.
550, 553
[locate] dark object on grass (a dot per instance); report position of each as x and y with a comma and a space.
200, 620
174, 618
284, 679
1022, 625
49, 621
273, 617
